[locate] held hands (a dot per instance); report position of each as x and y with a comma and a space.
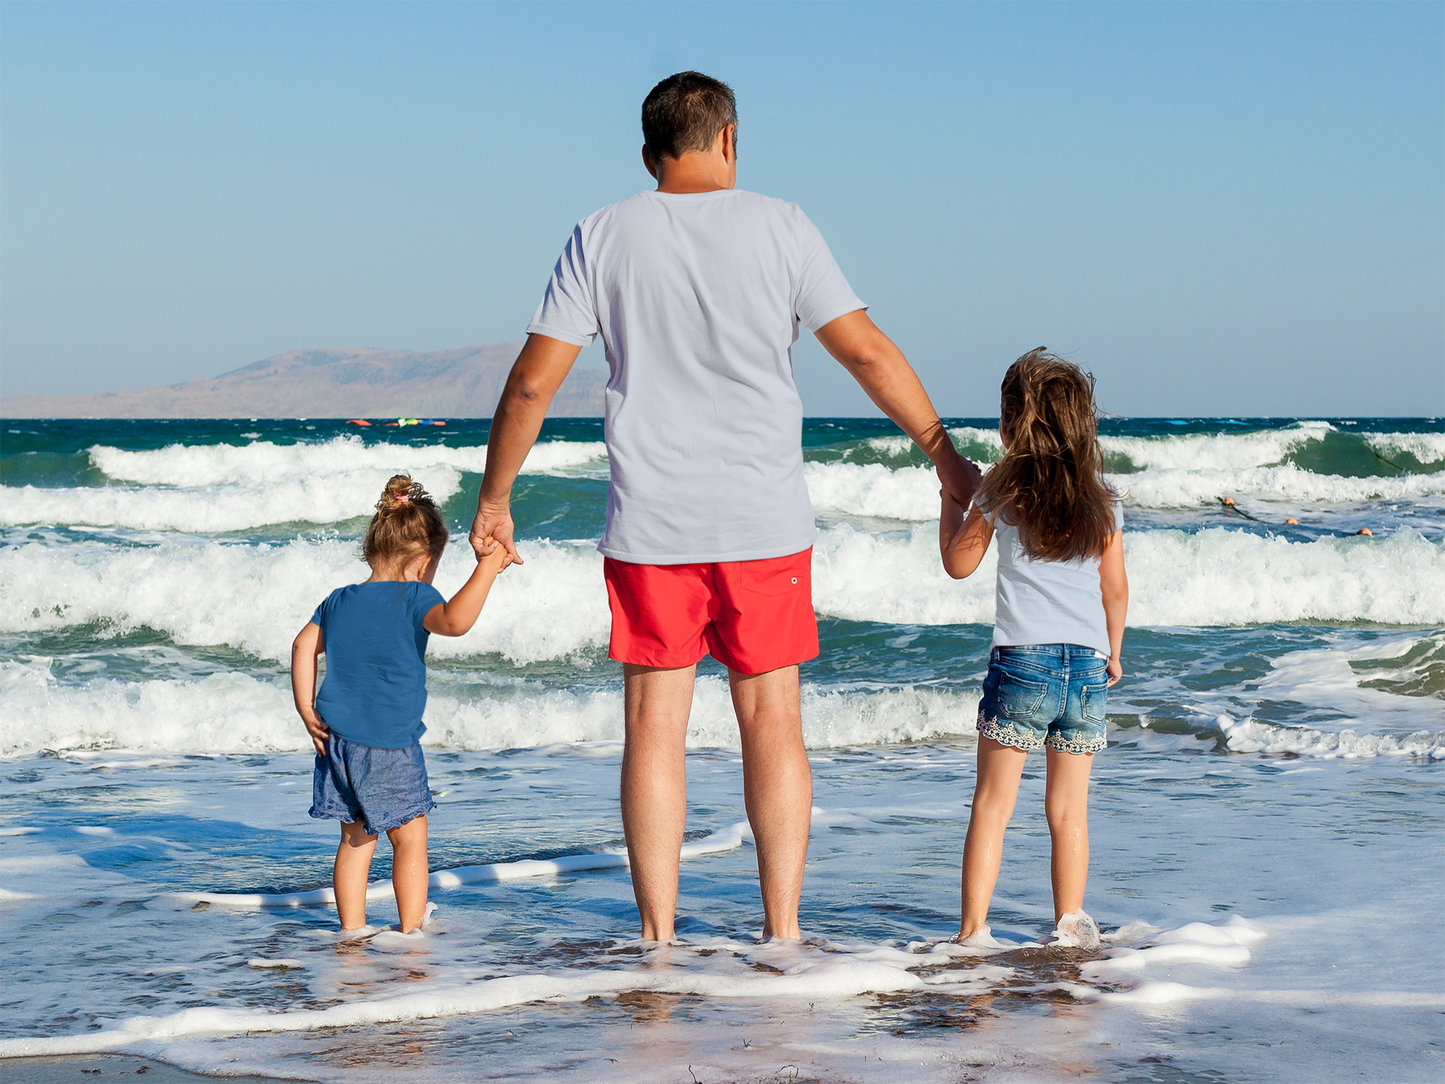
497, 558
960, 481
493, 527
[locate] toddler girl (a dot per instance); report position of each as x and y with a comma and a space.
366, 720
1061, 597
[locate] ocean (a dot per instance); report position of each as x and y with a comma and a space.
1268, 842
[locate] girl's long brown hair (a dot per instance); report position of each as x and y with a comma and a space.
1050, 483
407, 524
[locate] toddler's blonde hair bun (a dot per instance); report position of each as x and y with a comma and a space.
407, 523
401, 491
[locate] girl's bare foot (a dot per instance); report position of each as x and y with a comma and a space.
1076, 930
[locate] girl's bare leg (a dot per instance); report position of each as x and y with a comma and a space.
1066, 805
994, 794
409, 871
348, 875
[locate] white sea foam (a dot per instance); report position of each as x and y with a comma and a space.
1197, 942
911, 493
1230, 577
327, 498
218, 488
1332, 678
193, 465
1218, 451
1193, 450
1253, 736
239, 713
255, 598
222, 488
873, 490
1211, 577
222, 713
715, 968
199, 593
1286, 484
1425, 447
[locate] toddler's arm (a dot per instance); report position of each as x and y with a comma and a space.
1115, 587
962, 538
304, 652
456, 618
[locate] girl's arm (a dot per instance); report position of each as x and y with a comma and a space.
1115, 587
962, 539
305, 650
456, 618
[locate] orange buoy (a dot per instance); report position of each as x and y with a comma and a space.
357, 421
1228, 502
1292, 522
1366, 531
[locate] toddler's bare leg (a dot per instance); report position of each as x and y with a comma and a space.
994, 794
1066, 805
348, 876
409, 871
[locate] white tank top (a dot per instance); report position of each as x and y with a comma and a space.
1047, 602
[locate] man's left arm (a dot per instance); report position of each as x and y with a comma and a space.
535, 377
884, 373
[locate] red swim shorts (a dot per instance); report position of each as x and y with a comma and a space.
752, 616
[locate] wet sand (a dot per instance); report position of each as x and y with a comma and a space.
100, 1067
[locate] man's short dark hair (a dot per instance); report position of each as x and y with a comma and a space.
685, 112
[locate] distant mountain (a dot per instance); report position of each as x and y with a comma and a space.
334, 383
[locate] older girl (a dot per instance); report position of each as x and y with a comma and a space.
1059, 630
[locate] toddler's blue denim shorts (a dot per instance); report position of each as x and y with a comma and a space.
1045, 694
384, 788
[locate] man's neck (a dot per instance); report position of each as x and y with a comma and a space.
695, 172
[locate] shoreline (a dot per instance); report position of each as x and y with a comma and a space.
53, 1068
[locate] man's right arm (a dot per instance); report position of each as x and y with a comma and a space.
536, 375
884, 373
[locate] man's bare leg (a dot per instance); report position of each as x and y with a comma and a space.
777, 789
654, 788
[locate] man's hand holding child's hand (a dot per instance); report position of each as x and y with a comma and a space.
500, 555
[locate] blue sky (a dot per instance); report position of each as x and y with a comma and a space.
1218, 208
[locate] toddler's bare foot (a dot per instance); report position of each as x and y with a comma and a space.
425, 918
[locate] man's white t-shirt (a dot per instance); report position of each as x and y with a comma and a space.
699, 298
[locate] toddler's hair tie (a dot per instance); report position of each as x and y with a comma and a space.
403, 497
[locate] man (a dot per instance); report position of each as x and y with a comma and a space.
698, 290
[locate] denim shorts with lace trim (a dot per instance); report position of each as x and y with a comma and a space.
1045, 695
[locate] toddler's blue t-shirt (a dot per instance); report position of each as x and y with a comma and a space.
374, 692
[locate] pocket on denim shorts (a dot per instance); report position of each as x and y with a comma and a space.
1093, 699
1019, 698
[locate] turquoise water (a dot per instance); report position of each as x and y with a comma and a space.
1266, 824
